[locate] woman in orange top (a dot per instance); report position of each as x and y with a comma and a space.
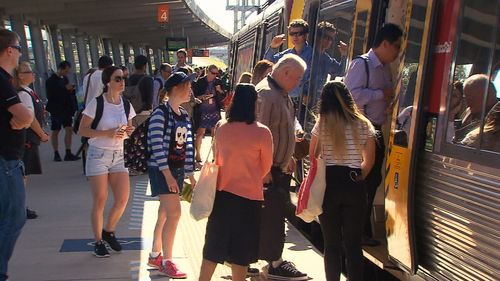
243, 152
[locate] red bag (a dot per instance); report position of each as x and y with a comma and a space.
312, 192
227, 100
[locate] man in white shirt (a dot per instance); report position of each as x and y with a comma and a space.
181, 60
159, 81
95, 87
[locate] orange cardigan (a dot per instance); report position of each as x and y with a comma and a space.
244, 154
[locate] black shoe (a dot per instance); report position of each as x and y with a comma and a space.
110, 239
30, 214
370, 242
71, 157
285, 271
57, 157
100, 250
252, 272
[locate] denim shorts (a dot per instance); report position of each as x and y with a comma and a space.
104, 161
159, 183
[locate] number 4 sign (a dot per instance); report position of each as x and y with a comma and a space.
163, 13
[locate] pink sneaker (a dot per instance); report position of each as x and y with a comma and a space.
170, 270
155, 262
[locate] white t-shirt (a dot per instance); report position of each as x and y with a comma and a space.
353, 158
26, 99
95, 87
113, 116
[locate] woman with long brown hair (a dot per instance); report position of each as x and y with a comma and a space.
346, 141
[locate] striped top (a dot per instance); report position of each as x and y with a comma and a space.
353, 158
159, 138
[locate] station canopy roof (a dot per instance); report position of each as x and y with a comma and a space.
129, 21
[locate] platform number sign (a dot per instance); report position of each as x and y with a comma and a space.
163, 13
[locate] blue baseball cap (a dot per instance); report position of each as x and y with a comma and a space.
178, 78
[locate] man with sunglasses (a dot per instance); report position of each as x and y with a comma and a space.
159, 80
298, 30
327, 34
209, 90
14, 119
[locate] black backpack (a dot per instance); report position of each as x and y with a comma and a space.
135, 148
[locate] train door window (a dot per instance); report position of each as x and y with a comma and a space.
361, 27
473, 108
411, 60
271, 29
333, 35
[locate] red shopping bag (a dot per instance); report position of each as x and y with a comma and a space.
312, 191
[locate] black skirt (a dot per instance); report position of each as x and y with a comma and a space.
31, 159
233, 230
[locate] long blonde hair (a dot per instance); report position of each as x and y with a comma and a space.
338, 111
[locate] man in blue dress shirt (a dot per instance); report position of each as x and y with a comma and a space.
298, 30
327, 34
369, 81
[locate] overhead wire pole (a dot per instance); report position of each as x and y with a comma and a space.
242, 7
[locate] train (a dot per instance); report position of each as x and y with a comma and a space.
437, 209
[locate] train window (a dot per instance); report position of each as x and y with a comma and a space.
473, 101
406, 95
333, 34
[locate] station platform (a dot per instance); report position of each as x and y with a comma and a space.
57, 245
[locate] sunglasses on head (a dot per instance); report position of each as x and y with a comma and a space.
119, 79
298, 33
17, 47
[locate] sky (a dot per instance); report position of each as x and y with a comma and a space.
216, 10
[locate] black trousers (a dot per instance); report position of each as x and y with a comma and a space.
344, 208
272, 230
374, 179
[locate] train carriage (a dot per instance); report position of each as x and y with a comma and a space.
438, 210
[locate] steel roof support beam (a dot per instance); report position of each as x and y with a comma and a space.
94, 50
82, 55
17, 22
117, 58
40, 58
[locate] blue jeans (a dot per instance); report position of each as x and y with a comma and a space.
12, 209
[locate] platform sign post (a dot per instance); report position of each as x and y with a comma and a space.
163, 13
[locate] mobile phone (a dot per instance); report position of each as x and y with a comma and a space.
122, 128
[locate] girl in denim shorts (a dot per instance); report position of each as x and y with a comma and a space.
170, 143
105, 165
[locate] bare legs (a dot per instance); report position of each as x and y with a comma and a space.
120, 187
169, 214
238, 272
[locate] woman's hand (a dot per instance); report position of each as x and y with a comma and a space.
114, 133
171, 181
129, 130
192, 180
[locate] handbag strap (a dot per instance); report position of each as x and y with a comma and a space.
87, 89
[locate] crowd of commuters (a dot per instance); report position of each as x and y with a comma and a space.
179, 106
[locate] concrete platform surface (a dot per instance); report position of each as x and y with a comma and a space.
61, 197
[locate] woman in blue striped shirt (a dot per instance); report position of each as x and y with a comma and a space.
170, 142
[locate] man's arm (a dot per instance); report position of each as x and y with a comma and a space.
355, 81
21, 116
